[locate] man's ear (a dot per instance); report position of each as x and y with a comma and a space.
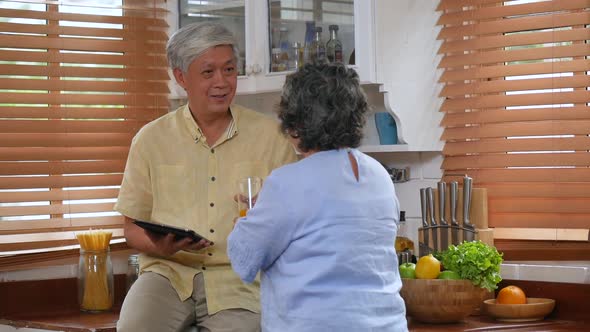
179, 77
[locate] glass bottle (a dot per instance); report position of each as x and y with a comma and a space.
95, 280
334, 46
275, 37
404, 247
308, 41
296, 59
276, 61
283, 39
318, 49
285, 46
132, 270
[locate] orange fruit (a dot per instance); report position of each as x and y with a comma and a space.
427, 267
511, 295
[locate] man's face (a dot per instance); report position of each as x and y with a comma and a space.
211, 80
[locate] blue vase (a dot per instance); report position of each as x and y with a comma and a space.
386, 128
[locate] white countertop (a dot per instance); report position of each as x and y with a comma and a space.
577, 272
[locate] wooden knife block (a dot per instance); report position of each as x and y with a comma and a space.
478, 217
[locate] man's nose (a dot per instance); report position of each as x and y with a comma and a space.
219, 78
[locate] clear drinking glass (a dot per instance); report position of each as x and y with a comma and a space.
248, 189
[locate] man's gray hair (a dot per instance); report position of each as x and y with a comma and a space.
192, 40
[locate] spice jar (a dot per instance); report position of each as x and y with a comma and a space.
95, 280
132, 270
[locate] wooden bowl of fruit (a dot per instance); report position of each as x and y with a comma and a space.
435, 297
439, 300
512, 305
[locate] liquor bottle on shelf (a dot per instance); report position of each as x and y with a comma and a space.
277, 63
308, 41
284, 45
318, 49
334, 45
296, 59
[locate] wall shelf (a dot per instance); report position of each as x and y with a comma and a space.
384, 148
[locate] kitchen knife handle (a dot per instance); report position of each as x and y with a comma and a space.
442, 189
467, 187
423, 207
453, 196
430, 200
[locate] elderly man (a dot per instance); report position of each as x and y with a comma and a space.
182, 171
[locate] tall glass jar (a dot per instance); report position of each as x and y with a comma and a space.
95, 280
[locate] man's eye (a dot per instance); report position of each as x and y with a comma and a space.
207, 72
230, 69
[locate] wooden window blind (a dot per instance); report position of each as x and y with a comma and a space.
517, 118
78, 79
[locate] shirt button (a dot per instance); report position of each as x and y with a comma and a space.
211, 204
212, 150
212, 230
212, 178
204, 268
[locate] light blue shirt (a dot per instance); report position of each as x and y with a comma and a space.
325, 245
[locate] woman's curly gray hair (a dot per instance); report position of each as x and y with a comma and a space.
324, 106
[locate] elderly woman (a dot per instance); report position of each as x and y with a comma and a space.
323, 228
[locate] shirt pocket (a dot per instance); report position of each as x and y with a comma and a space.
171, 194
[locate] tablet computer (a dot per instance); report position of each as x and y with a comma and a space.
179, 233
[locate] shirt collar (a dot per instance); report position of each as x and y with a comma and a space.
197, 134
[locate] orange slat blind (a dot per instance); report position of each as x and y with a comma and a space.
517, 112
77, 80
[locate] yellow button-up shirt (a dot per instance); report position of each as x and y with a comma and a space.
174, 177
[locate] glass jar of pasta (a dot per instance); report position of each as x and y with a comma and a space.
95, 280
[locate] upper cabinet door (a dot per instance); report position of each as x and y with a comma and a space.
276, 37
235, 15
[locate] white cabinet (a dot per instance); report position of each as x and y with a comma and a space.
256, 25
394, 43
265, 18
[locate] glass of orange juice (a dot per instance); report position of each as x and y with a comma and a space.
248, 189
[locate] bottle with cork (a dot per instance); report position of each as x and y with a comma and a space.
334, 46
318, 48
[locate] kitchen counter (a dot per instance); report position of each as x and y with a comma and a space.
106, 322
74, 321
52, 305
484, 323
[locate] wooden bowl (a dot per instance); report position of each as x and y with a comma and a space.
534, 309
439, 300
